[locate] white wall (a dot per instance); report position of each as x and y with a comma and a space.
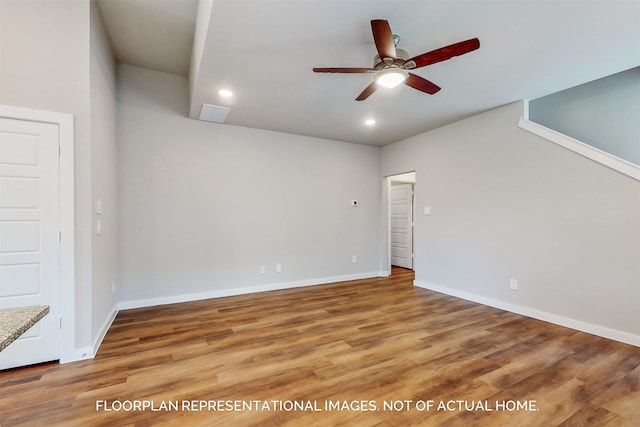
604, 113
104, 180
44, 46
508, 204
203, 205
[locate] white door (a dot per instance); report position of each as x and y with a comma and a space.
401, 199
29, 235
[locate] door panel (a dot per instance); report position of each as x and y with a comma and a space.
401, 200
29, 235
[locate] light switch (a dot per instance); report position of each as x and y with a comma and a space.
99, 206
98, 227
427, 210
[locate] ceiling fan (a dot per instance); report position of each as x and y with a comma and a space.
391, 64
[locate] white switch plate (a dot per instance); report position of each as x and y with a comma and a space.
278, 268
262, 269
354, 259
98, 227
427, 210
513, 284
98, 206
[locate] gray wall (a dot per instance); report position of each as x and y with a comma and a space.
55, 57
203, 205
604, 113
44, 47
508, 204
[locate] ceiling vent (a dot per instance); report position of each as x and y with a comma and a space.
214, 113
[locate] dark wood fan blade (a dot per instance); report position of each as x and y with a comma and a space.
344, 70
445, 53
383, 38
421, 84
367, 91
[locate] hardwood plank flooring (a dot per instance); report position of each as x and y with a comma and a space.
342, 351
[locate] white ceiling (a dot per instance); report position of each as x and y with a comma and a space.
264, 50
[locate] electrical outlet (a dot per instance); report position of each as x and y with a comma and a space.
262, 269
354, 259
513, 284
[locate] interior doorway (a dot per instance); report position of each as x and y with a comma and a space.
400, 224
29, 231
18, 201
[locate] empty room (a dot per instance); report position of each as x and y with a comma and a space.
312, 212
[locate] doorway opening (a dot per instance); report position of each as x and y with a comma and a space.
400, 221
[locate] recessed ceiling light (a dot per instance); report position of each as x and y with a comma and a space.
370, 122
225, 93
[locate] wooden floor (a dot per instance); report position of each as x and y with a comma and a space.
363, 353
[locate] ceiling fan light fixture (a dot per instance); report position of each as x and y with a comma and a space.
391, 64
391, 77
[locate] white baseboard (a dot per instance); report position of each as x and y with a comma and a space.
77, 354
90, 352
579, 325
105, 328
124, 305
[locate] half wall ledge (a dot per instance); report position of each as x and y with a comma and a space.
616, 163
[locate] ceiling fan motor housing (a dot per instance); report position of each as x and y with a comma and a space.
400, 61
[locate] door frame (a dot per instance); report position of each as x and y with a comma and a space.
65, 123
388, 180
